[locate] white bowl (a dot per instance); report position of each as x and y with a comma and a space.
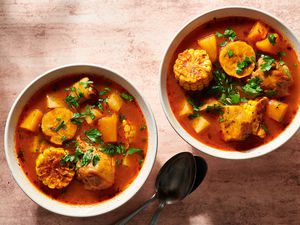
187, 29
42, 199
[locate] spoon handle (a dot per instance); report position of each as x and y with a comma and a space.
157, 213
137, 211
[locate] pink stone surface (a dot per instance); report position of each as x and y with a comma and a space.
131, 37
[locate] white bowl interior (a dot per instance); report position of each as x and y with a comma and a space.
187, 29
38, 196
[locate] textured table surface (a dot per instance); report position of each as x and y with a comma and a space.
130, 37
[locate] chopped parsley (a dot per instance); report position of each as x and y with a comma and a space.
252, 88
105, 91
70, 89
96, 159
100, 103
230, 34
63, 138
86, 84
94, 135
267, 65
72, 101
230, 53
224, 88
242, 65
112, 149
223, 43
216, 108
196, 108
127, 97
60, 126
272, 39
87, 157
218, 34
265, 129
221, 120
140, 162
131, 151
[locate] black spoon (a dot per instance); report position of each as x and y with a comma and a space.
182, 159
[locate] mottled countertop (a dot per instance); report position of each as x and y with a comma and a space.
130, 37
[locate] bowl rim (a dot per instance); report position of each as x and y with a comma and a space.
76, 210
282, 138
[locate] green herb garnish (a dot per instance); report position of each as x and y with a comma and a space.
242, 65
252, 88
267, 65
230, 53
230, 34
86, 84
218, 34
60, 126
127, 97
272, 39
131, 151
105, 91
96, 159
94, 135
223, 43
87, 157
71, 101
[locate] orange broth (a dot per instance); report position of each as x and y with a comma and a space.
75, 193
212, 135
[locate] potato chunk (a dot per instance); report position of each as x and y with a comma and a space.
266, 46
199, 124
85, 89
32, 120
54, 102
58, 126
115, 101
209, 44
50, 171
192, 69
97, 114
240, 52
258, 32
186, 108
108, 127
276, 110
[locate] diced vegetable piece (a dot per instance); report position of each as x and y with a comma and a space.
114, 101
200, 123
267, 47
211, 102
58, 126
108, 127
127, 161
276, 110
32, 120
97, 114
53, 102
258, 32
36, 143
240, 63
209, 44
186, 109
84, 89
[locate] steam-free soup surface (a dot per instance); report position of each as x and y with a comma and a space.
221, 70
82, 139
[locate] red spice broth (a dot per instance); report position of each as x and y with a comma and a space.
212, 135
75, 192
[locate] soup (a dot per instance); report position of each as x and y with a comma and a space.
81, 139
233, 83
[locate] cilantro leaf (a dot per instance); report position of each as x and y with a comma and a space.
131, 151
252, 88
71, 101
127, 97
94, 135
218, 34
230, 53
272, 39
96, 159
230, 34
267, 65
242, 65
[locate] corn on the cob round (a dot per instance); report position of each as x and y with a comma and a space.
50, 171
129, 132
192, 69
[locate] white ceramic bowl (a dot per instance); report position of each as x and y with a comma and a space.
187, 29
42, 199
